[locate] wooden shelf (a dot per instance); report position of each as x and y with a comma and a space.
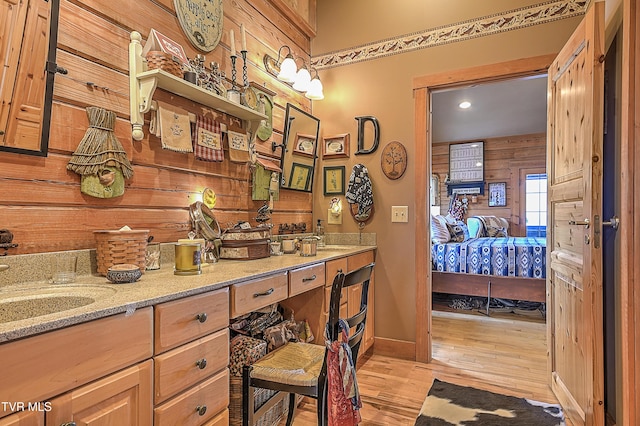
143, 84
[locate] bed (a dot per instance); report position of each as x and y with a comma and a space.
492, 267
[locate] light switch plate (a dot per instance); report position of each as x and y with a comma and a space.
399, 213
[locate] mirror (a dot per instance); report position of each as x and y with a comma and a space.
299, 152
26, 84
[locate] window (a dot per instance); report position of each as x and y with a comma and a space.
536, 205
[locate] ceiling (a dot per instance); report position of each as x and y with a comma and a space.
504, 108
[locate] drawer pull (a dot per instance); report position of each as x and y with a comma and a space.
264, 293
311, 278
201, 317
68, 424
201, 363
201, 410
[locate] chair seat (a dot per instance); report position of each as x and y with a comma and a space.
296, 364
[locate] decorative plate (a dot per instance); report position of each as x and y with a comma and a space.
393, 160
201, 22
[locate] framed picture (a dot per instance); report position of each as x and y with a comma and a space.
304, 145
336, 146
300, 177
334, 180
498, 194
466, 162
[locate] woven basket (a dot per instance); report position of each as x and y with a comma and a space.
114, 247
270, 418
166, 62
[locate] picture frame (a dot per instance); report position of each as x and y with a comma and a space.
300, 178
304, 145
336, 146
334, 177
466, 162
498, 194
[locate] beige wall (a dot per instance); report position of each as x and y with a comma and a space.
383, 88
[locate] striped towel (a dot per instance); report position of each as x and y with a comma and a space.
207, 139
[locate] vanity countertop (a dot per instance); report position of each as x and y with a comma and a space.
152, 288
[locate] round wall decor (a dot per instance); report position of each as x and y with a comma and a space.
201, 21
393, 160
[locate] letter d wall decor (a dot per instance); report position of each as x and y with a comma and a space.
376, 135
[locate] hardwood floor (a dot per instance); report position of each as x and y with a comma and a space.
497, 354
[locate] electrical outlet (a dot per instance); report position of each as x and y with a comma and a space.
399, 213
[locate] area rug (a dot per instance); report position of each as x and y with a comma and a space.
448, 404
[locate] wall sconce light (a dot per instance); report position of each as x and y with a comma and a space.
288, 72
315, 91
335, 212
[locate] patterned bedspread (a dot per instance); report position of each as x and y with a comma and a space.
509, 257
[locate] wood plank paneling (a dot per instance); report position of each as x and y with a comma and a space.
42, 204
503, 159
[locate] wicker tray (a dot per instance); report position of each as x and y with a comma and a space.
114, 247
157, 59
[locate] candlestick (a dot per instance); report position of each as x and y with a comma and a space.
245, 80
232, 43
243, 36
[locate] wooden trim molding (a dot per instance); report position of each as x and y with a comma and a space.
422, 87
394, 348
480, 27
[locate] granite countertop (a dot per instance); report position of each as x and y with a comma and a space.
152, 288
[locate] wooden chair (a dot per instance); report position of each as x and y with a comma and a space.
301, 368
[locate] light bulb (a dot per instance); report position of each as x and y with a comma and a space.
288, 70
315, 91
303, 79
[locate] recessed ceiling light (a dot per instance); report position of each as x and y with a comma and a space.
465, 104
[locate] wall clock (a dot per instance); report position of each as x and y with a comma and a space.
394, 160
201, 22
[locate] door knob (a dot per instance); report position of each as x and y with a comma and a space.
614, 222
585, 222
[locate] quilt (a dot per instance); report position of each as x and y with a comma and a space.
509, 257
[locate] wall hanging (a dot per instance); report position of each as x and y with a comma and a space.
360, 195
393, 160
201, 22
100, 158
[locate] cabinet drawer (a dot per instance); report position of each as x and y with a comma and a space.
37, 367
304, 279
221, 419
359, 260
197, 405
186, 365
332, 268
327, 299
25, 418
184, 320
252, 295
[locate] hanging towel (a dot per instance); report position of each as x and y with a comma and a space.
238, 147
343, 397
360, 193
173, 127
207, 139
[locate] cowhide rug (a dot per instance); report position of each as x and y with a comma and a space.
448, 404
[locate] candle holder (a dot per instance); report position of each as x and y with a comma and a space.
233, 94
245, 79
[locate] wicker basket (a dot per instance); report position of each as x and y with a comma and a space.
270, 418
114, 247
160, 60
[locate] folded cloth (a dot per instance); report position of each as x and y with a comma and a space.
174, 128
207, 139
238, 147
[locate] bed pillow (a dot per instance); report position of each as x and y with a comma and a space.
458, 232
439, 232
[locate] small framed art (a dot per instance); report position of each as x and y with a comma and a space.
498, 194
300, 177
336, 146
305, 145
334, 180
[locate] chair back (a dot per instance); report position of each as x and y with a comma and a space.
360, 276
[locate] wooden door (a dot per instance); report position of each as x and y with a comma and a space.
123, 398
574, 168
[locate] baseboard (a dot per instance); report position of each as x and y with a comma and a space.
401, 349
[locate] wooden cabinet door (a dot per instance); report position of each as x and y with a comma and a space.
23, 79
25, 418
123, 398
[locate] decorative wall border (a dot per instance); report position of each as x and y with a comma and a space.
541, 13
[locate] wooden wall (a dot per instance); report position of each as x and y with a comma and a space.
506, 159
41, 202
